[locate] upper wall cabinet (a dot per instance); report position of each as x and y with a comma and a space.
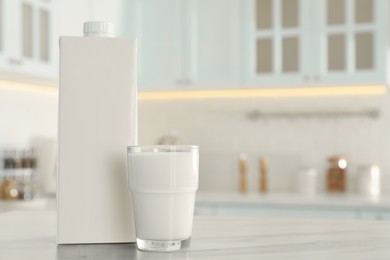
26, 43
352, 40
324, 42
187, 43
30, 31
259, 43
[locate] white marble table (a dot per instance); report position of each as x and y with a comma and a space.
31, 235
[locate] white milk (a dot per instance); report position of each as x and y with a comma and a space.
163, 186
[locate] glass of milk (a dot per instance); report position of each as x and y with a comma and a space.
163, 180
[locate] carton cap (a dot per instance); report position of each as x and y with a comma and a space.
99, 29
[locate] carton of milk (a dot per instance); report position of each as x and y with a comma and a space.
97, 121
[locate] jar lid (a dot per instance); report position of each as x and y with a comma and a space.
339, 161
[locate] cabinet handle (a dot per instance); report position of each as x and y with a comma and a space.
183, 82
187, 82
15, 62
179, 82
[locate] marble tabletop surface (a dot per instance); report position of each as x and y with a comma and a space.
32, 235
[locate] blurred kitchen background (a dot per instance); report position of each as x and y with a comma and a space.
269, 89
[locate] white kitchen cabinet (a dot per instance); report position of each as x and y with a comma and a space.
187, 43
259, 43
325, 42
28, 44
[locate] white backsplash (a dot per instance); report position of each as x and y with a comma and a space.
26, 113
222, 130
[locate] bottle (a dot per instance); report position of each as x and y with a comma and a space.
369, 180
336, 177
7, 160
8, 190
243, 173
97, 121
26, 160
307, 181
263, 175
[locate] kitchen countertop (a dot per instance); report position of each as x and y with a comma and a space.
31, 235
344, 201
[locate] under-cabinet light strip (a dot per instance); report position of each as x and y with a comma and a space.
261, 92
227, 93
27, 86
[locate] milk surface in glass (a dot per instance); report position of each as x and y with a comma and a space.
163, 181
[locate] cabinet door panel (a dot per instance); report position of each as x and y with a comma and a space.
3, 61
364, 51
264, 51
364, 11
27, 30
335, 12
44, 29
214, 38
1, 26
12, 34
290, 13
264, 14
290, 54
160, 43
336, 52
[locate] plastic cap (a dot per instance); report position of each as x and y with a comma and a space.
99, 29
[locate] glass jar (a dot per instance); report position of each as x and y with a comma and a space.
337, 174
369, 181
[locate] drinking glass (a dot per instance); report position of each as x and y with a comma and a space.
163, 180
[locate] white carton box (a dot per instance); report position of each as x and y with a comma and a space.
97, 121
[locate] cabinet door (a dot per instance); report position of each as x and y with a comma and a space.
276, 42
2, 38
28, 45
352, 40
11, 41
36, 32
214, 43
160, 32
